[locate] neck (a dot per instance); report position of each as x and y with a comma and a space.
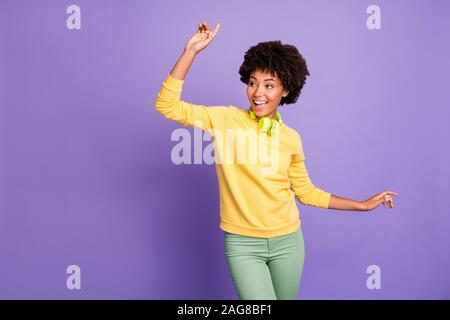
272, 115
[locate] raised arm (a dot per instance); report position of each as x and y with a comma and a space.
168, 101
199, 41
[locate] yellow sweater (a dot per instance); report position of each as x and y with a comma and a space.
257, 196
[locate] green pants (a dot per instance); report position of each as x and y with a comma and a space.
265, 268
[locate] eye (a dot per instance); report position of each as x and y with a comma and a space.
269, 85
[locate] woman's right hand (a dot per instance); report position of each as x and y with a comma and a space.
202, 38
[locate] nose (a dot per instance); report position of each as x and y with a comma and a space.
259, 91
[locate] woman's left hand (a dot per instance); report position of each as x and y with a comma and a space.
384, 197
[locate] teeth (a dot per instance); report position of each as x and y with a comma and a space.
260, 102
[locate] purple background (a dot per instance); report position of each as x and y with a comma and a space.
86, 176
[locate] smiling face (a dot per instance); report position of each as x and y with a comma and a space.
264, 92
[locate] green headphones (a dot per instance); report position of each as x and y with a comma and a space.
266, 124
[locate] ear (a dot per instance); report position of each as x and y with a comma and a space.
285, 93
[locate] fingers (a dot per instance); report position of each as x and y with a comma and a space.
385, 197
391, 201
216, 29
389, 193
388, 200
204, 28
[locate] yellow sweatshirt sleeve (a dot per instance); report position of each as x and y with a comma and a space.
302, 186
168, 103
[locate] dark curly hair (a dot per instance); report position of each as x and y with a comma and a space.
282, 60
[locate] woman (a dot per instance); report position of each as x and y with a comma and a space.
262, 236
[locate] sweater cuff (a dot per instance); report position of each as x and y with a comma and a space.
173, 83
326, 200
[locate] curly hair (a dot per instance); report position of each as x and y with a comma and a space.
279, 59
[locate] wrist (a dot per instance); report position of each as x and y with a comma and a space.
190, 52
362, 206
